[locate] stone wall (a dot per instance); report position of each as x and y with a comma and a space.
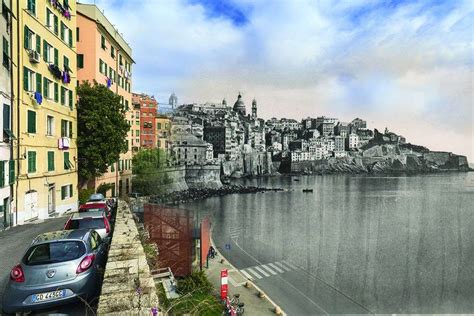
177, 179
208, 176
250, 164
127, 272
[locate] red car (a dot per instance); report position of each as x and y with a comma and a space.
96, 207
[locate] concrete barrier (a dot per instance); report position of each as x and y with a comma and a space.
128, 287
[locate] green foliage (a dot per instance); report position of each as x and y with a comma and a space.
197, 282
102, 129
84, 195
104, 187
149, 177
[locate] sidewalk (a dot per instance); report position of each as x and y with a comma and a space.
253, 304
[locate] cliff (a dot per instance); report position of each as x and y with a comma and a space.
249, 164
386, 158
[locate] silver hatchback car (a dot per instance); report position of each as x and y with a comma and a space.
58, 268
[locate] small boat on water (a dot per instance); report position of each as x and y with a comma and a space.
308, 190
296, 179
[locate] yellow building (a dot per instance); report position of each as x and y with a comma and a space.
44, 108
104, 56
163, 131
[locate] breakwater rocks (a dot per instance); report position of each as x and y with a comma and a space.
202, 193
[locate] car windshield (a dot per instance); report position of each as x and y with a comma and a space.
54, 252
87, 223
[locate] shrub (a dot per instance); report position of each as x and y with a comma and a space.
84, 195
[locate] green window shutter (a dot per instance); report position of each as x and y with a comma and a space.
50, 160
63, 96
26, 36
11, 175
70, 129
63, 128
77, 34
31, 161
25, 78
63, 192
38, 44
71, 193
45, 88
45, 50
66, 160
62, 30
56, 24
71, 104
66, 61
80, 61
56, 57
31, 122
48, 18
70, 38
56, 92
38, 83
2, 174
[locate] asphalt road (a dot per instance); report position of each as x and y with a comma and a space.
291, 287
13, 244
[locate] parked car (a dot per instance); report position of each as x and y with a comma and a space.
96, 197
58, 268
97, 207
90, 220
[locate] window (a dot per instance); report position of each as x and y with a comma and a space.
112, 51
31, 122
6, 53
31, 161
49, 125
137, 122
63, 95
56, 92
66, 62
69, 37
137, 133
50, 160
66, 128
102, 42
48, 88
6, 118
112, 167
77, 34
49, 18
63, 31
56, 24
80, 61
48, 51
31, 6
56, 57
158, 125
67, 163
28, 36
11, 172
66, 192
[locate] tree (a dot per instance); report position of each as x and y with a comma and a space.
148, 176
101, 130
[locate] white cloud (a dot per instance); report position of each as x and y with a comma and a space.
407, 67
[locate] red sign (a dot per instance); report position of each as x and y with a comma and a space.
224, 279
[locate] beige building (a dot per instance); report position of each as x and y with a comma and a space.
44, 109
104, 56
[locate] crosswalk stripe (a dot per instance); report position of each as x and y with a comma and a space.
262, 271
275, 267
258, 276
248, 276
290, 265
268, 269
283, 266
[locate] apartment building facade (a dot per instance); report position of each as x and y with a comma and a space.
163, 132
103, 55
148, 111
44, 110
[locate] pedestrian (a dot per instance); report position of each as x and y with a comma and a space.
212, 251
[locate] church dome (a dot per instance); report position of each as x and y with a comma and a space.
239, 105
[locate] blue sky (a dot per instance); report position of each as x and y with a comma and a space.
405, 65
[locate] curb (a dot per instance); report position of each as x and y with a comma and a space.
248, 280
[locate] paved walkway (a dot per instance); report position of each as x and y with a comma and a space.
253, 304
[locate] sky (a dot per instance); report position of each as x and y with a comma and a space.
406, 65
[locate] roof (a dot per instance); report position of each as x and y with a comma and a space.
92, 12
61, 235
87, 214
89, 205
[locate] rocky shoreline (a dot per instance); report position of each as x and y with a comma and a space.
193, 194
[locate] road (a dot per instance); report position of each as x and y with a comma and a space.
291, 287
13, 244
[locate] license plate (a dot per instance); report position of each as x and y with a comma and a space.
41, 297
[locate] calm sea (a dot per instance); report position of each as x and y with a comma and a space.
400, 244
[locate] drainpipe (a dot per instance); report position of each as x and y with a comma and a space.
17, 107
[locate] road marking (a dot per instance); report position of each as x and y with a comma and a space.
268, 269
276, 268
283, 266
248, 276
290, 265
258, 276
261, 271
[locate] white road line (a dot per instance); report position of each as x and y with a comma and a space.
276, 268
262, 271
248, 276
290, 265
283, 266
258, 276
268, 269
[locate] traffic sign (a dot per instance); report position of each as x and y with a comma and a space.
224, 275
227, 246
